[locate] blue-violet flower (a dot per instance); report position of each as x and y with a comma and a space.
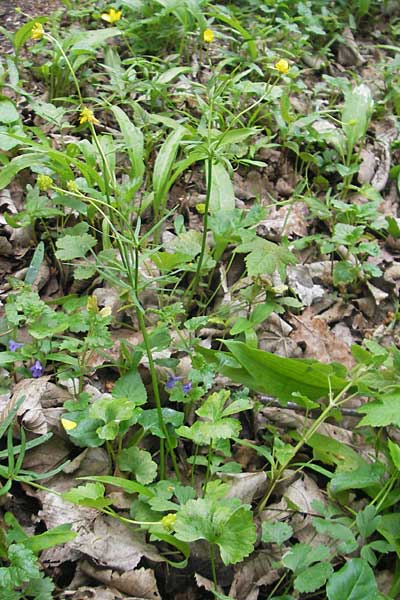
37, 369
13, 345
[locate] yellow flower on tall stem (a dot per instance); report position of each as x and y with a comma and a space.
112, 15
87, 116
282, 66
37, 31
208, 36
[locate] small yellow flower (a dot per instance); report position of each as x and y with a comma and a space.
44, 182
201, 208
37, 31
72, 186
112, 15
208, 36
169, 521
91, 304
282, 66
68, 425
87, 116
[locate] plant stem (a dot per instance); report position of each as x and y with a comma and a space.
195, 281
333, 403
154, 380
213, 570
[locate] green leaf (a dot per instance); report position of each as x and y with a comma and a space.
276, 533
265, 257
90, 494
50, 538
354, 581
128, 486
163, 165
382, 412
139, 463
222, 195
356, 113
363, 477
133, 140
336, 531
131, 386
16, 165
313, 578
8, 112
279, 376
35, 264
367, 521
228, 524
74, 246
301, 556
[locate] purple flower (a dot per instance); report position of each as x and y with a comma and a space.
13, 345
172, 380
187, 387
37, 369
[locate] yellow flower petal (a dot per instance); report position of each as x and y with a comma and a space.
208, 36
37, 31
112, 15
282, 66
68, 425
169, 521
87, 116
106, 311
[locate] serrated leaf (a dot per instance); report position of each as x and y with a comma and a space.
227, 524
74, 246
354, 581
277, 533
300, 556
265, 257
131, 386
313, 578
382, 412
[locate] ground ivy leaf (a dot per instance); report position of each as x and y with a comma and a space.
130, 386
354, 581
74, 246
138, 462
313, 578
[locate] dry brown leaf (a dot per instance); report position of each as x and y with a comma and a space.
253, 573
301, 282
139, 583
245, 486
320, 343
40, 394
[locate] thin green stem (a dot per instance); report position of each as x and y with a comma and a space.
213, 569
195, 283
333, 403
154, 380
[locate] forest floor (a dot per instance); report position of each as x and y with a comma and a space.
199, 300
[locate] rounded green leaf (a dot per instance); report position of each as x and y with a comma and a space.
354, 581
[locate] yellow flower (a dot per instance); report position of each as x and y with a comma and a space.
208, 36
68, 425
87, 116
37, 31
44, 182
112, 15
72, 186
282, 66
169, 521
